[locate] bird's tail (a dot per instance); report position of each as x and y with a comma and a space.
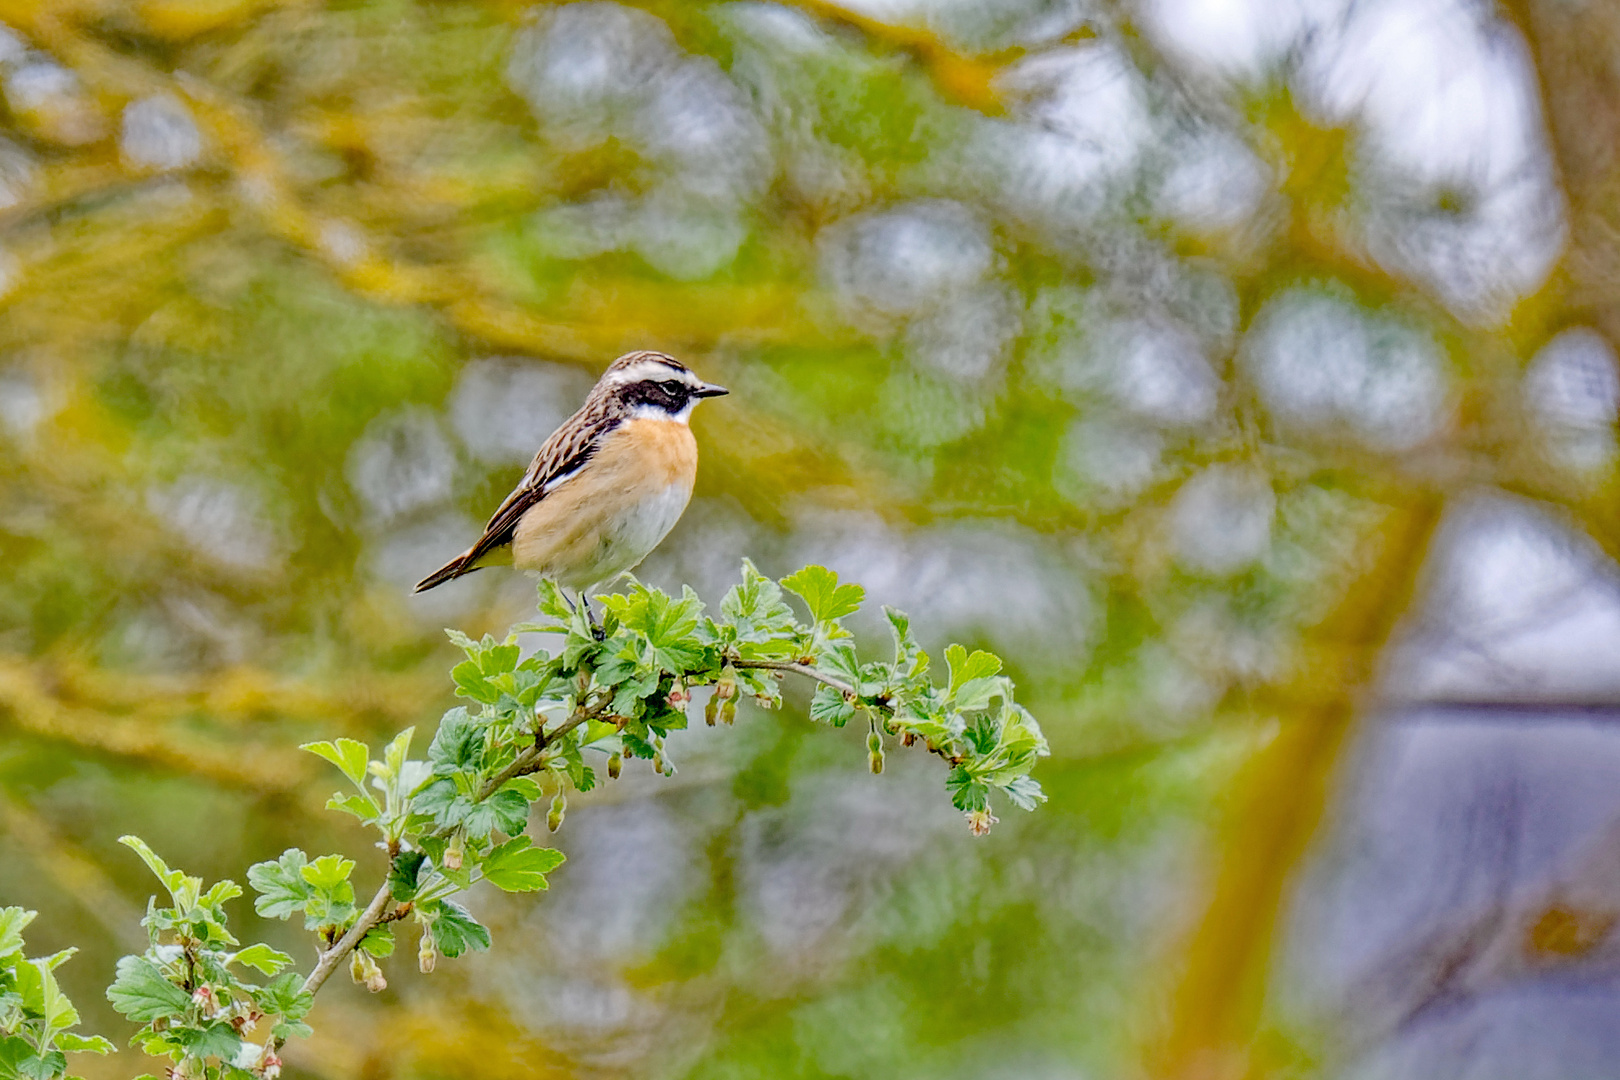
461, 564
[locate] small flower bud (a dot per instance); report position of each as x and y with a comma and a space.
427, 954
615, 763
712, 709
874, 761
452, 853
559, 806
908, 738
726, 688
678, 694
874, 742
658, 764
203, 998
269, 1066
979, 821
728, 712
364, 970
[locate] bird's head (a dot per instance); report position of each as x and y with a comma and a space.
654, 384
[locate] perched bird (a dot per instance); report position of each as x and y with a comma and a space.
606, 487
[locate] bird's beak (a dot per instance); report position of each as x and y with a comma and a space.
710, 390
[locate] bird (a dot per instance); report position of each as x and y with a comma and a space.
606, 487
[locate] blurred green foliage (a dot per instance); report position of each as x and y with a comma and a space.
1017, 312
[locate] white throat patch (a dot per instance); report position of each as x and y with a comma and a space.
654, 412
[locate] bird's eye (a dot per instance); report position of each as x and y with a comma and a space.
672, 387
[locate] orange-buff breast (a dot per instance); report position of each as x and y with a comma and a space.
607, 518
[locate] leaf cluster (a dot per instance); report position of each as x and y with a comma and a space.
195, 990
36, 1018
533, 724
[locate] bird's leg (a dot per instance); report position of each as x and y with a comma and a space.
590, 615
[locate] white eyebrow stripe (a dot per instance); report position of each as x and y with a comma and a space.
643, 370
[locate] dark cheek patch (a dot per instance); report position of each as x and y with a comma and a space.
653, 394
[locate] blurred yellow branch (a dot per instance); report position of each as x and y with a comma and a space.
151, 719
1576, 52
962, 79
1274, 806
603, 322
72, 871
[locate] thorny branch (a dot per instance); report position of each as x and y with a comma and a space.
530, 760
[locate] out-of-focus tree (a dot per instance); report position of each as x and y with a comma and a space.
1173, 350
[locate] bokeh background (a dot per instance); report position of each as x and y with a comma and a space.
1242, 370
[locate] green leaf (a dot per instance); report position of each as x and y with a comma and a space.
827, 600
59, 1011
442, 801
221, 891
1025, 792
83, 1044
977, 693
395, 753
14, 1051
284, 996
281, 885
13, 920
964, 668
46, 1066
216, 1040
458, 744
43, 997
839, 659
404, 875
142, 994
499, 659
668, 626
631, 692
755, 608
554, 604
505, 810
361, 806
349, 755
519, 866
455, 931
291, 1029
909, 659
472, 683
580, 774
173, 880
966, 792
829, 706
379, 941
526, 786
262, 957
328, 872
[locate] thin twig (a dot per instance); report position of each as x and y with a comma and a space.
529, 758
376, 912
346, 944
798, 669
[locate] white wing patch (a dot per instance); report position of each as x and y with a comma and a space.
561, 478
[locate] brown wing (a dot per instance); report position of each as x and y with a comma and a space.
569, 447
